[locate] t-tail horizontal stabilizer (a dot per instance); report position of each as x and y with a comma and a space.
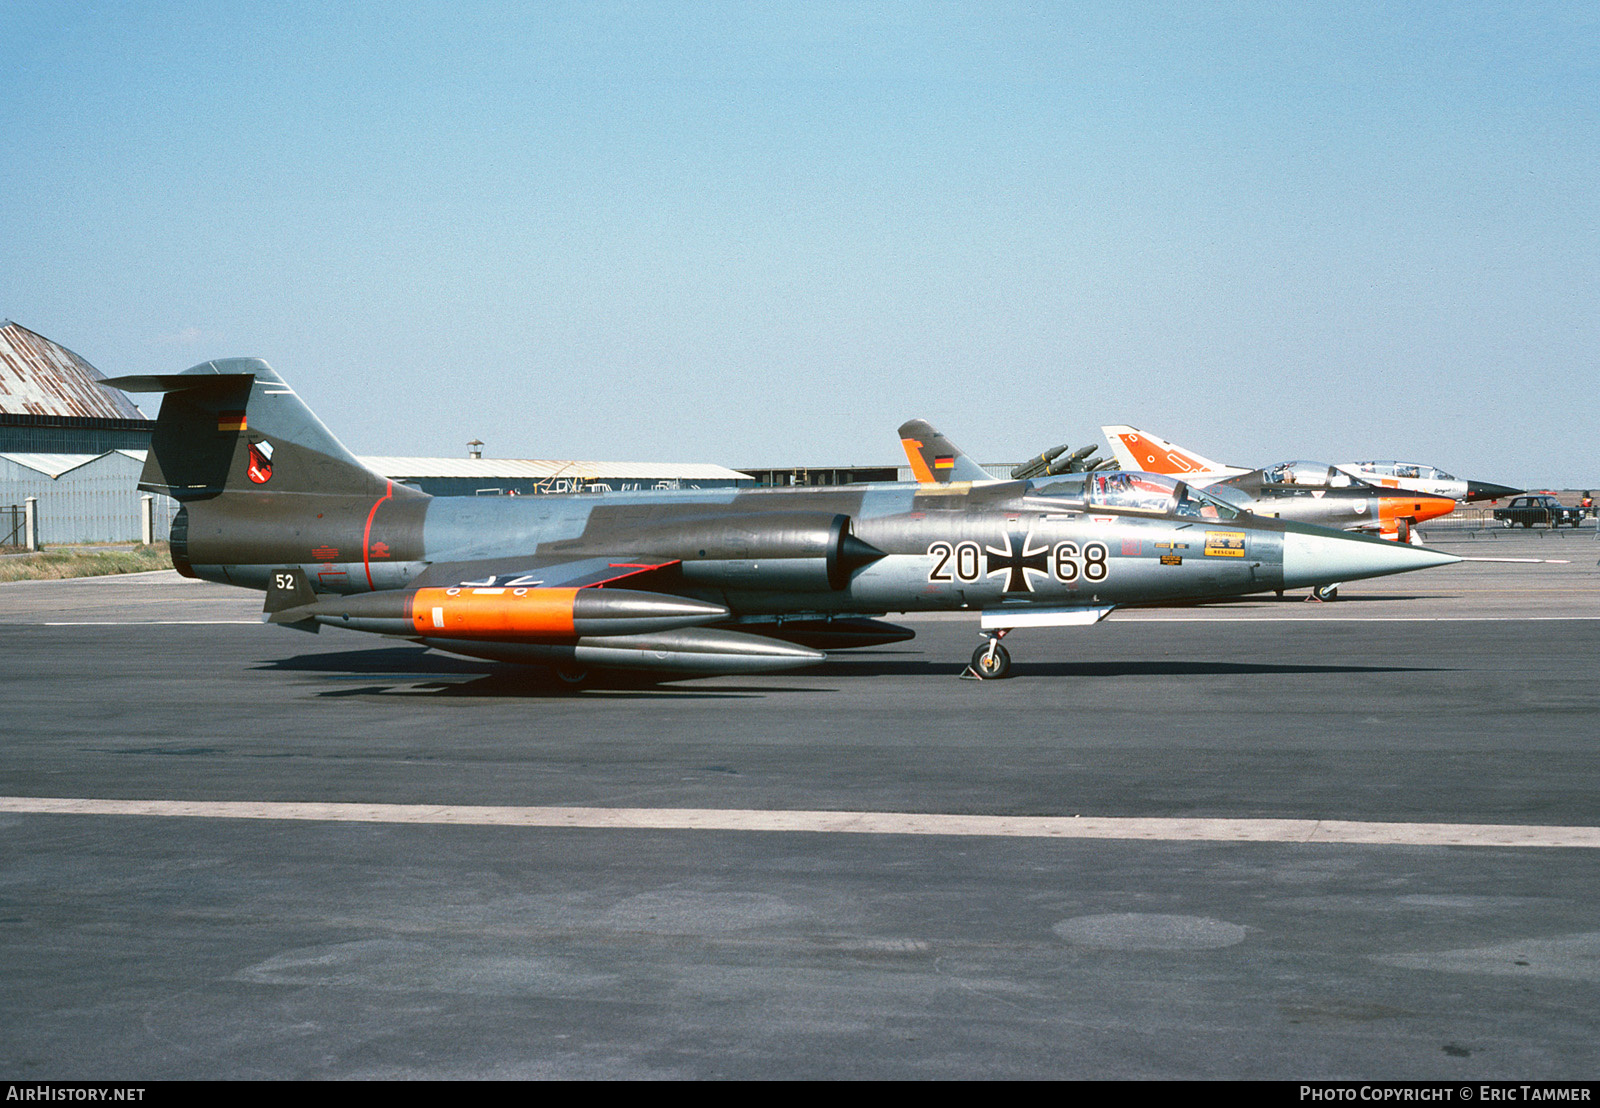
234, 426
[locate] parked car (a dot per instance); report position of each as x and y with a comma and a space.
1539, 508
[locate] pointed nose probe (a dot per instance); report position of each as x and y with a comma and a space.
1330, 558
1488, 490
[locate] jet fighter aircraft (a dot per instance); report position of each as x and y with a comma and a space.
701, 581
1421, 478
1311, 492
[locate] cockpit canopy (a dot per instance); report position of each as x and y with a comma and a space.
1407, 469
1315, 474
1137, 492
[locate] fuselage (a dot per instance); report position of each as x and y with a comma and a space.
1314, 493
953, 547
1416, 477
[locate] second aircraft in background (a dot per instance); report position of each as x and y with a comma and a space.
1421, 478
1310, 492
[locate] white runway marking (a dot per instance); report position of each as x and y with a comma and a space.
846, 823
1532, 561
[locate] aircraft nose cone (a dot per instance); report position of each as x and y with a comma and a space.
1487, 490
1329, 557
1432, 507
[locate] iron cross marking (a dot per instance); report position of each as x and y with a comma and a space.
1016, 559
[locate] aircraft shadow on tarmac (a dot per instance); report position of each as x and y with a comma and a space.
864, 666
420, 672
417, 671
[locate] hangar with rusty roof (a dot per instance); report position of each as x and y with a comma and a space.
71, 447
50, 402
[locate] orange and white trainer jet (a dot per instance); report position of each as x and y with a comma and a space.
1421, 478
1310, 492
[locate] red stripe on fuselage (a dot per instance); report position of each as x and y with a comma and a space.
366, 537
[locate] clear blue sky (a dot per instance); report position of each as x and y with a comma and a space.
757, 233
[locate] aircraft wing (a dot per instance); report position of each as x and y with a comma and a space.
552, 572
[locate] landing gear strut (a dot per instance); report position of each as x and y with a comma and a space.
991, 661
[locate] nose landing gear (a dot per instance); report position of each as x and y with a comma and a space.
991, 661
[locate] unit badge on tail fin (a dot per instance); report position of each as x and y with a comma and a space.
260, 462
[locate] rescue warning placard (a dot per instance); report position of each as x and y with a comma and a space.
1225, 544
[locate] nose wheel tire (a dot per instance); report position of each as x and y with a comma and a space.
991, 661
1325, 592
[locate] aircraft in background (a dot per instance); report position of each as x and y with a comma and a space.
1311, 492
687, 581
1421, 478
935, 460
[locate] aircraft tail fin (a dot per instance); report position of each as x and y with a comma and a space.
287, 589
233, 425
935, 460
289, 592
1140, 450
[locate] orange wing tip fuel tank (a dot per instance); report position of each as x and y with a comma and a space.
510, 615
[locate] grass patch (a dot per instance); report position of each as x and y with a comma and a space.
84, 562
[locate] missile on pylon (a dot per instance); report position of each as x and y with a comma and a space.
1036, 464
1069, 464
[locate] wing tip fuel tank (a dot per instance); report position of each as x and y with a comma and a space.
508, 614
516, 614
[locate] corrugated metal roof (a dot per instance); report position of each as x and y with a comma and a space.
51, 465
506, 468
42, 378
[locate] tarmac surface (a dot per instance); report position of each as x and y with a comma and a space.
1208, 848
